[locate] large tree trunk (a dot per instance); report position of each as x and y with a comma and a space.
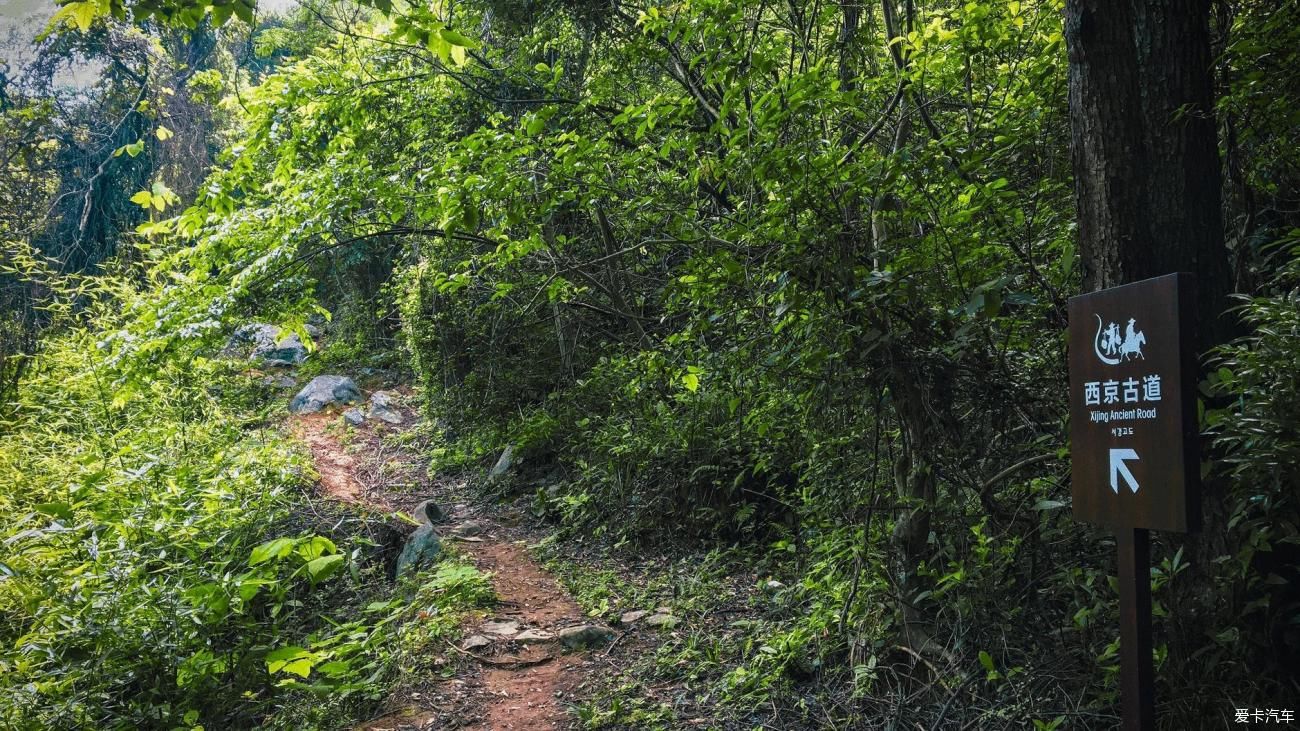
1146, 160
1147, 181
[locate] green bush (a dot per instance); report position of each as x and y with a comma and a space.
1257, 431
157, 571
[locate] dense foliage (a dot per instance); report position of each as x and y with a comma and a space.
163, 567
784, 276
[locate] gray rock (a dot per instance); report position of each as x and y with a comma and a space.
503, 629
286, 351
269, 344
532, 636
584, 636
323, 391
773, 586
469, 528
662, 621
504, 463
384, 407
421, 549
475, 642
279, 381
354, 417
429, 512
257, 334
630, 618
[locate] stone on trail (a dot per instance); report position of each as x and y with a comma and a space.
530, 636
428, 512
475, 642
354, 417
383, 407
422, 548
662, 621
508, 628
323, 391
630, 618
584, 636
504, 463
469, 528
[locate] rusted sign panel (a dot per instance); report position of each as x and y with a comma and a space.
1133, 433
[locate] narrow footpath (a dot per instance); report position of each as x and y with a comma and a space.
526, 675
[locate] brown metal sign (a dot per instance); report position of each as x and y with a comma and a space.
1133, 424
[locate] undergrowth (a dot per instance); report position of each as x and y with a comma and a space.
165, 565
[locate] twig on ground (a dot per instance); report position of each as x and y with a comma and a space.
515, 664
614, 644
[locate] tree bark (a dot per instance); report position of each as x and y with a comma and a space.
1146, 161
1147, 183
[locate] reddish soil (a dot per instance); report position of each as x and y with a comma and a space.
520, 687
530, 697
336, 468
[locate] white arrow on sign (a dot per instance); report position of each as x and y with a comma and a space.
1118, 468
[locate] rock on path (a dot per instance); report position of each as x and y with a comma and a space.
324, 391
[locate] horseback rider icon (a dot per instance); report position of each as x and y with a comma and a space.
1112, 349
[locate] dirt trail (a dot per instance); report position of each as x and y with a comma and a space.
530, 697
523, 685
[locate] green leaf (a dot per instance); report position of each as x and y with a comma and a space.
83, 14
290, 659
317, 546
221, 13
300, 667
58, 510
334, 669
163, 134
248, 588
144, 198
278, 548
691, 382
986, 660
283, 654
456, 39
324, 567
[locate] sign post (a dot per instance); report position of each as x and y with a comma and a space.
1134, 456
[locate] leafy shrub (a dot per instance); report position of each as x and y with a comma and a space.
146, 581
1257, 431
